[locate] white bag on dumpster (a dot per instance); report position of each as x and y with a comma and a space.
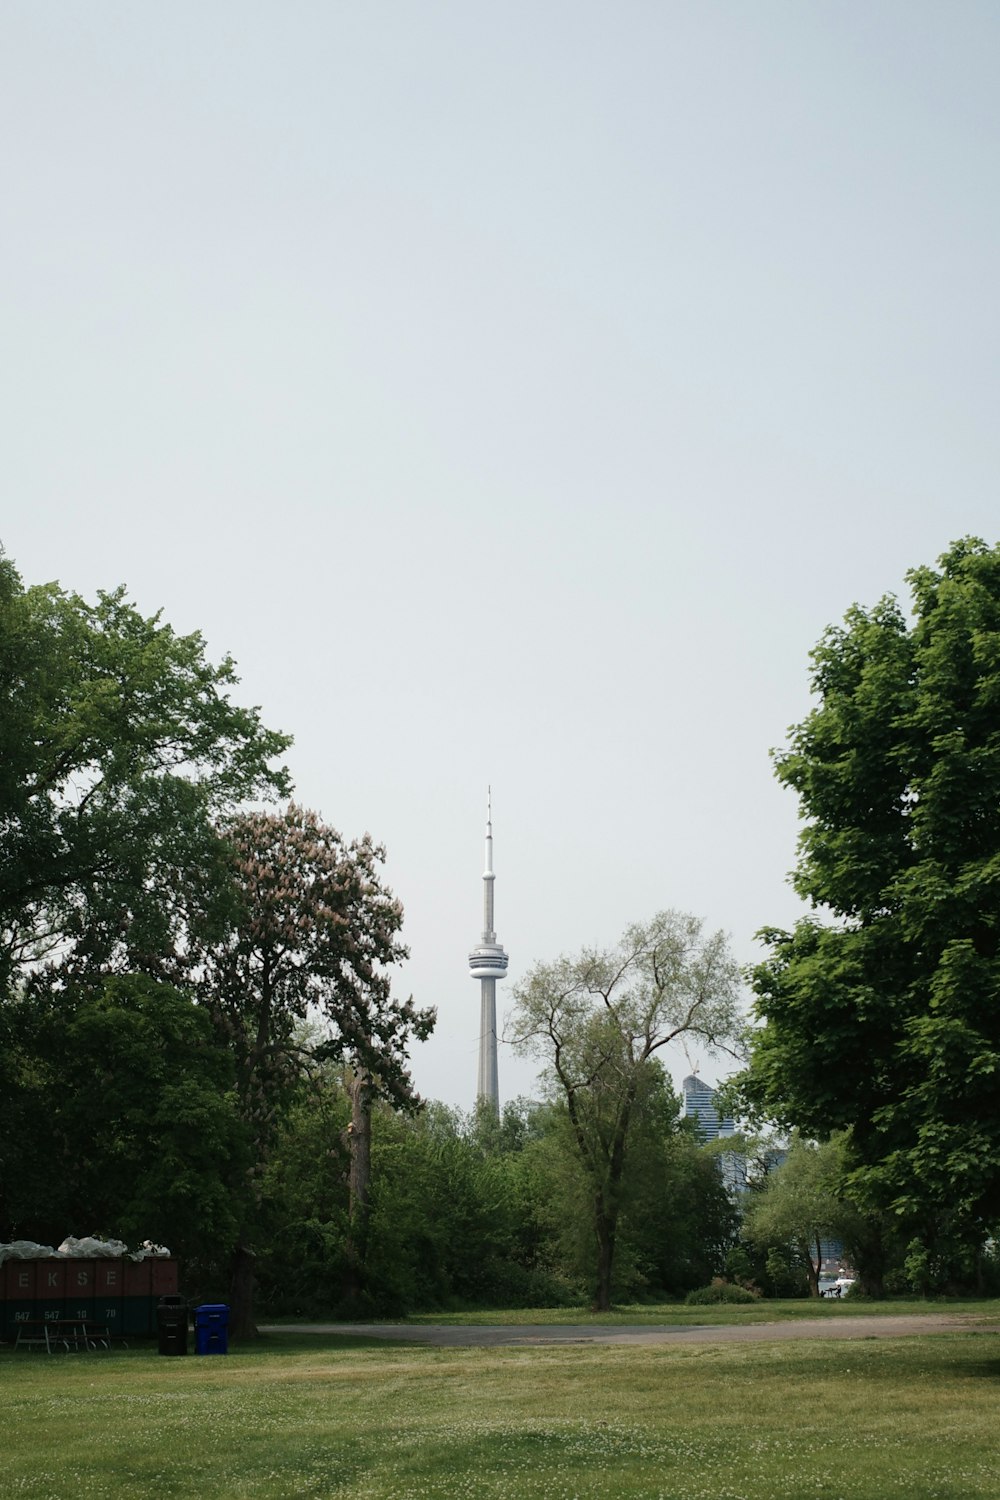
91, 1248
24, 1250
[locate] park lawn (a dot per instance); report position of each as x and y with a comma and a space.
311, 1415
677, 1314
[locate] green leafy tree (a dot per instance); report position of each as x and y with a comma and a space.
458, 1209
119, 746
122, 1119
598, 1019
314, 935
441, 1216
303, 1225
691, 1223
675, 1219
881, 1010
798, 1206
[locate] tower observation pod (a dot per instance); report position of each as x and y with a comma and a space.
488, 963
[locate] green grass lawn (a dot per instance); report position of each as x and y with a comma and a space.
678, 1315
312, 1415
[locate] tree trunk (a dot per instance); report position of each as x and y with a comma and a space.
361, 1148
360, 1141
605, 1227
241, 1319
868, 1256
812, 1267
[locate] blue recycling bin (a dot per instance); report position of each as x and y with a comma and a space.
211, 1328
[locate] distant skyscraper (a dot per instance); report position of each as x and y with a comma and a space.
699, 1104
488, 963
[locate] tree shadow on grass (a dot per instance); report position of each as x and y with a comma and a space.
278, 1345
986, 1369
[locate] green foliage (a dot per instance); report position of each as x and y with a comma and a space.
881, 1012
785, 1274
128, 858
471, 1211
948, 1267
125, 850
303, 1226
122, 1119
739, 1265
720, 1291
313, 931
798, 1204
597, 1020
457, 1211
461, 1221
119, 745
676, 1221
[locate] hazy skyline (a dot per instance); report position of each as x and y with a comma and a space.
517, 393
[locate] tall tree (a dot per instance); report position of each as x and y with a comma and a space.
675, 1222
119, 746
881, 1009
598, 1019
315, 935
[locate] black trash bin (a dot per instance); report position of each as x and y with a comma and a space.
211, 1328
172, 1325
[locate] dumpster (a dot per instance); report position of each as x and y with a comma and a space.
18, 1278
211, 1328
108, 1284
138, 1306
172, 1325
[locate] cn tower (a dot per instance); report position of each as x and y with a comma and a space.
488, 963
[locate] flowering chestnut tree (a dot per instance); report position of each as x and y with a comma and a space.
313, 937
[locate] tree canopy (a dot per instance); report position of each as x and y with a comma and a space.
798, 1204
599, 1018
119, 747
119, 1117
313, 931
881, 1009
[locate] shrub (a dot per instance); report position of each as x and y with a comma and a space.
720, 1291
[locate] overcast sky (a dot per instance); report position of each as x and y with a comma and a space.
517, 391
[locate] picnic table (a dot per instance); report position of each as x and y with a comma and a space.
52, 1334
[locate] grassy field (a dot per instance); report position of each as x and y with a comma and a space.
317, 1415
679, 1316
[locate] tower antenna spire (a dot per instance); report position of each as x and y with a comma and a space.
488, 963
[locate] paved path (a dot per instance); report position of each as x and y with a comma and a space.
466, 1336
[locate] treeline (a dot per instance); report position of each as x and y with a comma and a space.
123, 1116
472, 1210
161, 945
200, 1042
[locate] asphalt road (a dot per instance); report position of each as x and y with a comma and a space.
447, 1336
